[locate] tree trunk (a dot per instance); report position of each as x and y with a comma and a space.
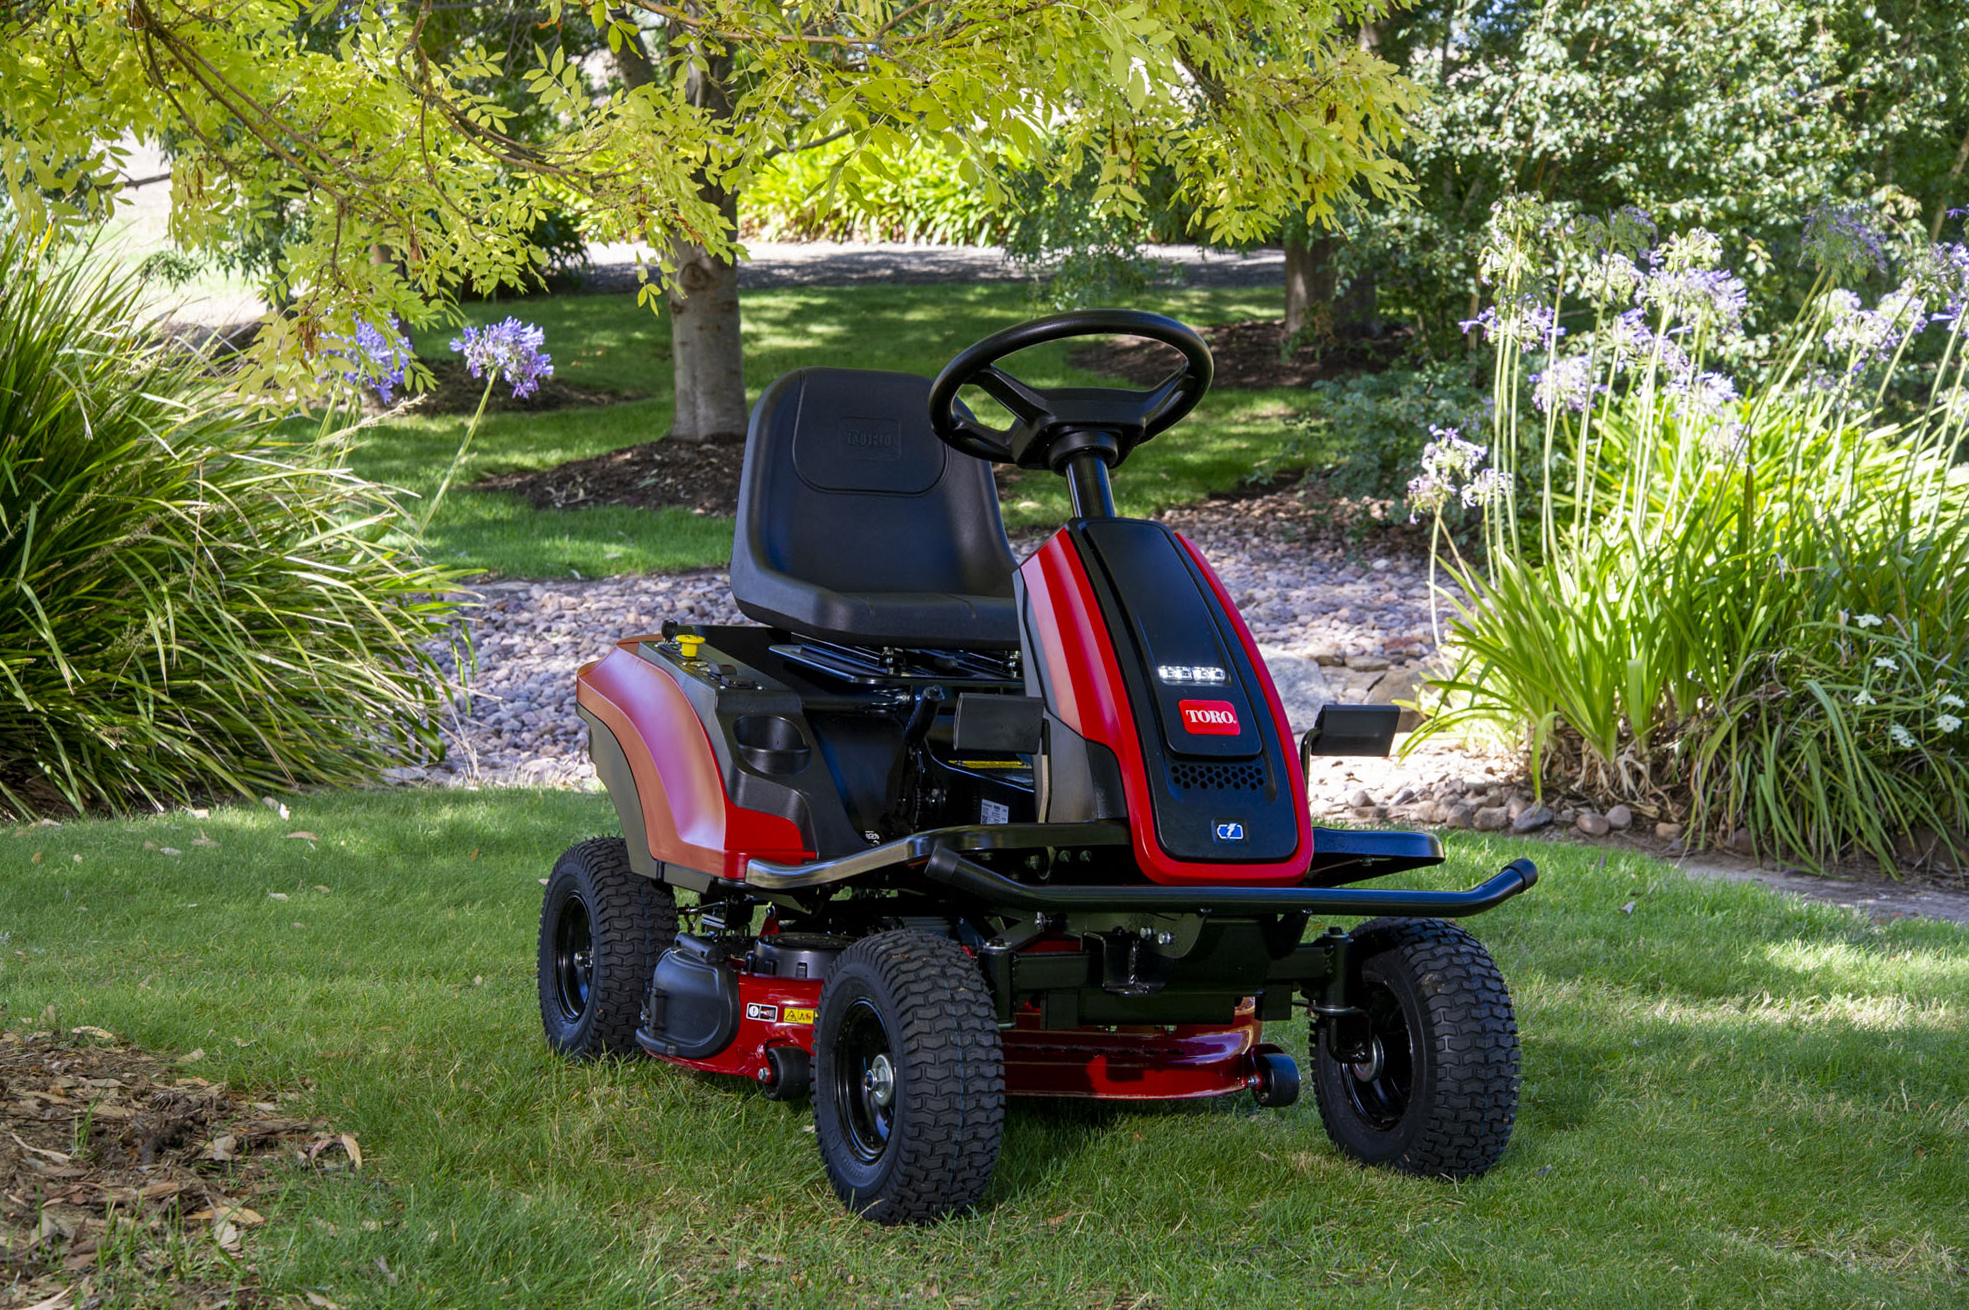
707, 358
1312, 277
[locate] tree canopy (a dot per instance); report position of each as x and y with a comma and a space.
420, 147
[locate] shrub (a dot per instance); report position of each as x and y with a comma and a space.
1753, 609
1367, 430
189, 601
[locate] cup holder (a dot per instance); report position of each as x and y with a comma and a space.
770, 743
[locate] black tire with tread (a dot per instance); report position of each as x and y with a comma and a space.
632, 920
949, 1078
1464, 1094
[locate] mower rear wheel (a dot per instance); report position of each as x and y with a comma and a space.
602, 926
908, 1080
1438, 1091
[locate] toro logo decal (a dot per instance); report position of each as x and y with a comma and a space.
1211, 718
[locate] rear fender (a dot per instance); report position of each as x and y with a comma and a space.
651, 746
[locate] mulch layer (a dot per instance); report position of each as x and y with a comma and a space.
124, 1179
1246, 355
455, 391
699, 475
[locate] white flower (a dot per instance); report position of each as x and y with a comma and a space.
1886, 662
1901, 736
1950, 700
1947, 723
1867, 621
1486, 488
1864, 698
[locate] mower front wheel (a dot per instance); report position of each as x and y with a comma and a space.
602, 926
1437, 1090
908, 1080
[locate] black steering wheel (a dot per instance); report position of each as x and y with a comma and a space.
1052, 424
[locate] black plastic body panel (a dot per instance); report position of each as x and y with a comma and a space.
1162, 614
694, 1006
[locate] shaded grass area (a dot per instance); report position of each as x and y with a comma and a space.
607, 343
1730, 1098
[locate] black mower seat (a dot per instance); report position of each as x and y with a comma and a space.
857, 525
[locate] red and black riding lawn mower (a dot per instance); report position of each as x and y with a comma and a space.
961, 827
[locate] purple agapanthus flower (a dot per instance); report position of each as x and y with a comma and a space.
1568, 381
1533, 326
1844, 240
376, 358
1698, 294
511, 348
1874, 333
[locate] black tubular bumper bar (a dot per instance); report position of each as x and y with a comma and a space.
953, 870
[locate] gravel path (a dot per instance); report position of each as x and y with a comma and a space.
1334, 627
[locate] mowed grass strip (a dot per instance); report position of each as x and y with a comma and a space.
608, 343
1730, 1098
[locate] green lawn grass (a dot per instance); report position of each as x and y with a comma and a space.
1730, 1099
607, 343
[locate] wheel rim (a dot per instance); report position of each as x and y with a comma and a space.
1380, 1086
865, 1082
574, 958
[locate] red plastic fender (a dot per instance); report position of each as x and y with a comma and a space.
1085, 681
689, 818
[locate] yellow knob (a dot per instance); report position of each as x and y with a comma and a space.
688, 645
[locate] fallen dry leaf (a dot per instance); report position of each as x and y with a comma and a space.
302, 834
191, 1057
277, 807
355, 1151
320, 1301
276, 896
169, 850
202, 839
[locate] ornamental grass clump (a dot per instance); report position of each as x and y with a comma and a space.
1727, 583
191, 602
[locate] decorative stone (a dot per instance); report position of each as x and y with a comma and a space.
1302, 688
1367, 663
1620, 818
1517, 805
1492, 818
1538, 816
1742, 842
1461, 816
1361, 799
1593, 825
1668, 831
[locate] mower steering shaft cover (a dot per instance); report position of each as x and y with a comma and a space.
1015, 828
